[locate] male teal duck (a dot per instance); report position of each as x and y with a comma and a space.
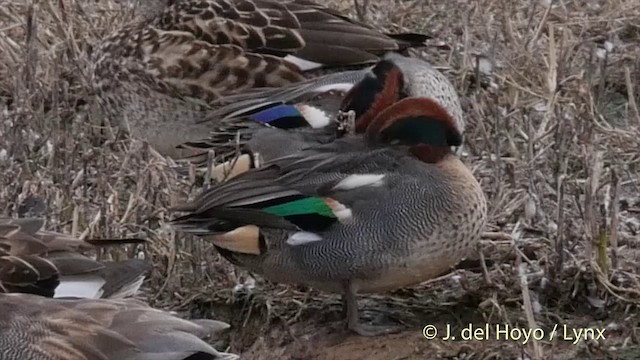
294, 123
365, 213
161, 74
51, 264
39, 328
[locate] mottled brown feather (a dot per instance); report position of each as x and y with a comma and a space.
197, 35
99, 329
32, 260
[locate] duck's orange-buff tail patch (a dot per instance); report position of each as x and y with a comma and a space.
244, 240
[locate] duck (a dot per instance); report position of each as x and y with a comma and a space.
254, 129
366, 213
159, 76
108, 329
52, 264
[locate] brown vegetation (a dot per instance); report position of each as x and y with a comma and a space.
551, 92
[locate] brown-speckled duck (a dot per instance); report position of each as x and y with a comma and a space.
51, 264
33, 327
161, 75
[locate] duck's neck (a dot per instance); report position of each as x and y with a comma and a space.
430, 154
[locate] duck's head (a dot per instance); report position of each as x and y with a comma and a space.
397, 77
419, 123
378, 90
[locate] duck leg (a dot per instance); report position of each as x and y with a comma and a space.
353, 320
344, 306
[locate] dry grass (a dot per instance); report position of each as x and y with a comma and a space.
551, 95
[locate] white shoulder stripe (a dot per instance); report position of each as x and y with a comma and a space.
356, 181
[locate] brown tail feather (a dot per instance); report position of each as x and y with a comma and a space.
28, 274
122, 278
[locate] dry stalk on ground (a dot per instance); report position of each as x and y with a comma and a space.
551, 94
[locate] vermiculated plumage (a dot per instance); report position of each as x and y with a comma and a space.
372, 213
